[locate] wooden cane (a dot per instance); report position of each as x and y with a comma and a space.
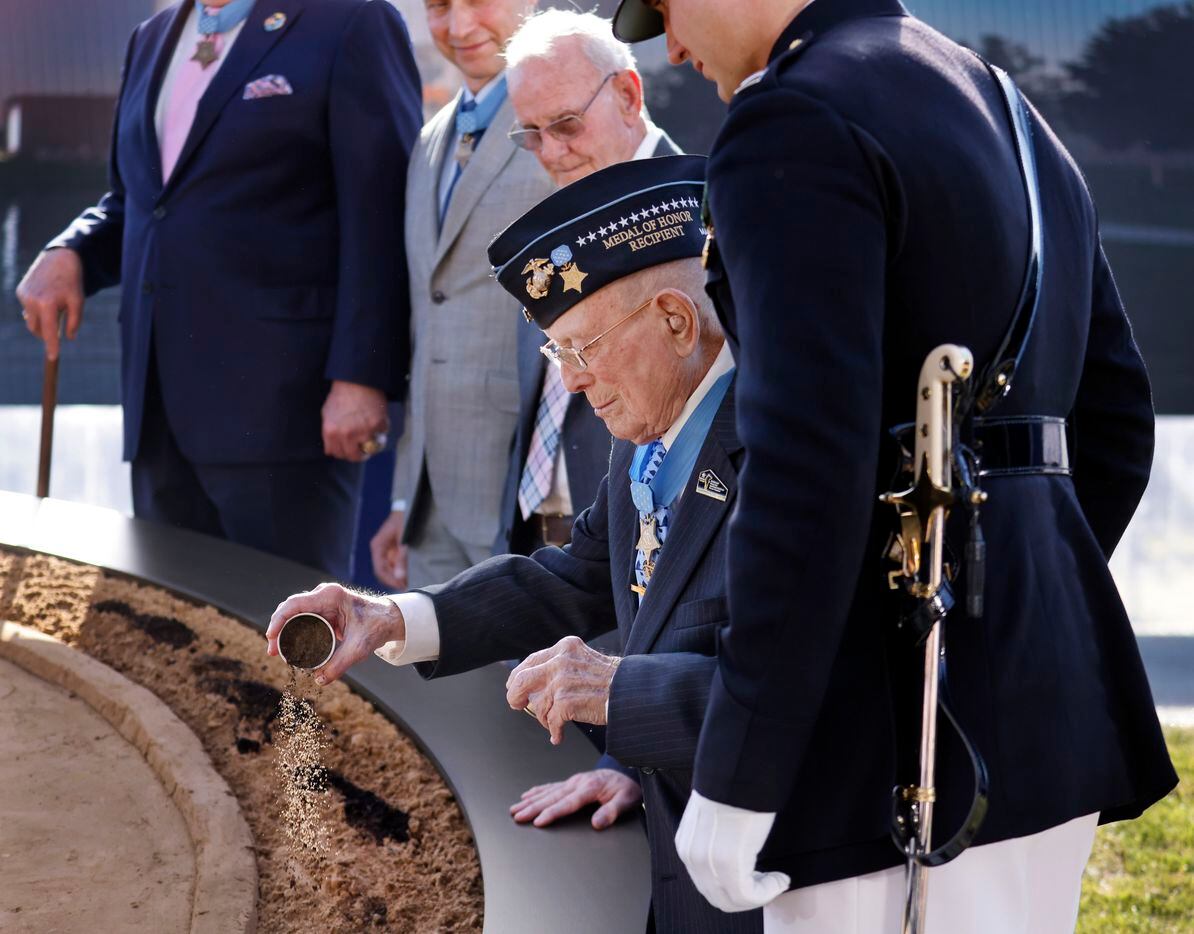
49, 401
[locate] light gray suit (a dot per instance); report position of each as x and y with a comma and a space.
463, 402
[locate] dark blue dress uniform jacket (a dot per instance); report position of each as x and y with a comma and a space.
271, 262
510, 606
868, 206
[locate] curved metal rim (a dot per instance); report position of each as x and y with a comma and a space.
560, 877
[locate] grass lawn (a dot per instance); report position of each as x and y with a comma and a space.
1141, 874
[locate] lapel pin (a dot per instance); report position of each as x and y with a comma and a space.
274, 22
709, 484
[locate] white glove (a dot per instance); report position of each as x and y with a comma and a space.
719, 845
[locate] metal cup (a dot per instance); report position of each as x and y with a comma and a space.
308, 622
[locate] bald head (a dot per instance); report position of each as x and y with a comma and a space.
563, 65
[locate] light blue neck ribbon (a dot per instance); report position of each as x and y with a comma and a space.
479, 117
680, 458
223, 19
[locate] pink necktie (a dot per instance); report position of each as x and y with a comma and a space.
188, 87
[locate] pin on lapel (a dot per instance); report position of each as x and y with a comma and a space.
274, 22
709, 484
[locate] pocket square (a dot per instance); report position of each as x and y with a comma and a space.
269, 86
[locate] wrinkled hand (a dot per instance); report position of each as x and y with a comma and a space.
53, 286
719, 844
569, 681
615, 792
352, 415
388, 552
362, 623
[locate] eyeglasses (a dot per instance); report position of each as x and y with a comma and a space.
573, 355
566, 128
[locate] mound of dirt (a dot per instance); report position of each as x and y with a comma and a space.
399, 855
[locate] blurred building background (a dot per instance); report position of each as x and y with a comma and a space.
1110, 75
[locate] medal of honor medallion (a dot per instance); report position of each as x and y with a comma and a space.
648, 544
205, 52
464, 150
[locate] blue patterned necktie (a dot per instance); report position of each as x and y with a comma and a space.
650, 523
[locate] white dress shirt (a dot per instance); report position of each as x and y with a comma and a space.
418, 609
646, 149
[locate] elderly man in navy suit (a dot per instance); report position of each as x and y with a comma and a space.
608, 267
255, 222
578, 100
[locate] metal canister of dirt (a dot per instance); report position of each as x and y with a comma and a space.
307, 641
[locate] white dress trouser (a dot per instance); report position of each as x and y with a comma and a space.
1028, 885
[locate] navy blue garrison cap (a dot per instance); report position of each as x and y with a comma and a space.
600, 229
635, 20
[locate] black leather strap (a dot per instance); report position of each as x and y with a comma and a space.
902, 824
996, 379
1023, 445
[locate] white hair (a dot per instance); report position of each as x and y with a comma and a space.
539, 34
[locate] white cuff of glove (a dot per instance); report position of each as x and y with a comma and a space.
719, 844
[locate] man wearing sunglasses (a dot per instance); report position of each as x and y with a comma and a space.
609, 268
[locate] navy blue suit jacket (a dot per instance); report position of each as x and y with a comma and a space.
585, 438
868, 206
510, 606
271, 262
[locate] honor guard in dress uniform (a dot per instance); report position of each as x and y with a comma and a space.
609, 269
878, 191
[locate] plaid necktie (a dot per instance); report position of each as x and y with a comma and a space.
654, 462
539, 471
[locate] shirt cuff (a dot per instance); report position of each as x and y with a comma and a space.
398, 505
422, 632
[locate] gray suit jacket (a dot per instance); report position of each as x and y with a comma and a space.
463, 400
584, 436
510, 606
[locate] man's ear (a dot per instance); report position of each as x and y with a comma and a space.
629, 87
683, 319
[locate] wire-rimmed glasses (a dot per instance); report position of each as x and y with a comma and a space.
574, 356
566, 128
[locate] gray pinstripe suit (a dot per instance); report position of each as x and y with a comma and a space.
463, 402
510, 605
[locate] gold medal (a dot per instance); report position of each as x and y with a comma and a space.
648, 544
205, 52
464, 150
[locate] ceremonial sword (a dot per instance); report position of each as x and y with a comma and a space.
920, 546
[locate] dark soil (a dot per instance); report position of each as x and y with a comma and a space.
305, 641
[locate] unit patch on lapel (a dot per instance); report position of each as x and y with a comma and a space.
709, 484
